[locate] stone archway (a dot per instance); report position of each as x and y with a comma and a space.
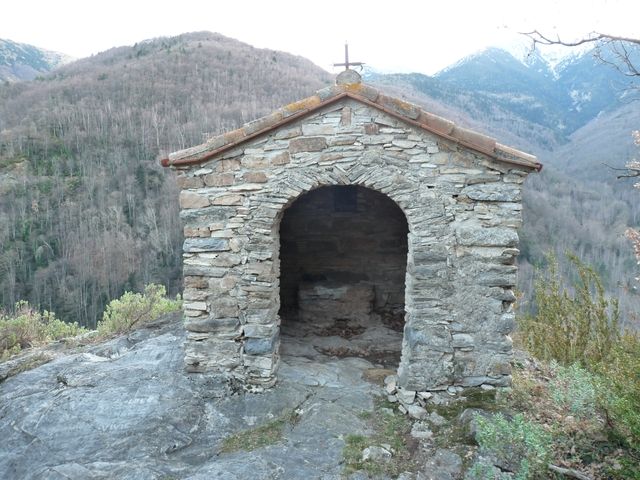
427, 351
343, 261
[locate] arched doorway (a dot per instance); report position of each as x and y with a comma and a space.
343, 261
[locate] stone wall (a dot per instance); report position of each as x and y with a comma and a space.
462, 208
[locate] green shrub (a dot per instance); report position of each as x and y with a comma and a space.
578, 327
619, 389
573, 389
28, 328
132, 309
516, 445
582, 328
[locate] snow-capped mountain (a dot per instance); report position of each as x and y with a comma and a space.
19, 61
555, 57
543, 58
566, 89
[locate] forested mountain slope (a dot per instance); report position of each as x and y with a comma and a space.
85, 210
604, 142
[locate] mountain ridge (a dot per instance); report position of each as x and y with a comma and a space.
553, 58
21, 61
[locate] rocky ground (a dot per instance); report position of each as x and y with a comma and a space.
125, 409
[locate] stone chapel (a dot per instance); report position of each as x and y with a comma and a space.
346, 206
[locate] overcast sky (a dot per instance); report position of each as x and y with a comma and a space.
391, 35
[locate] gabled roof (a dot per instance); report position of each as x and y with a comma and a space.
404, 111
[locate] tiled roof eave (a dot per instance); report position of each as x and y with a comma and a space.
399, 109
208, 155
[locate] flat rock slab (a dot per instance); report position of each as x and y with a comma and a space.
444, 465
324, 301
125, 409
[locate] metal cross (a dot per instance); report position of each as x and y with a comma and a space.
346, 63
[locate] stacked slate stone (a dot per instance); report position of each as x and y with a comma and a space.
460, 192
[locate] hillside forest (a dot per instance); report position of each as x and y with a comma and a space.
86, 211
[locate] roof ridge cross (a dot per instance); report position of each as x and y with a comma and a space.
347, 63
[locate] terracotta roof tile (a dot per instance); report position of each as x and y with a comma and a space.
469, 137
511, 155
264, 122
234, 136
399, 106
305, 104
405, 111
329, 92
436, 124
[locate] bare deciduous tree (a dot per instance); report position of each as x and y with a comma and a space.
633, 170
620, 52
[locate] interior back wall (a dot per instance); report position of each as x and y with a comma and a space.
343, 235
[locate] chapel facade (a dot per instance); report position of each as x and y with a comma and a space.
347, 204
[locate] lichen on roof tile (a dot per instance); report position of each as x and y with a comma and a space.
301, 105
369, 92
399, 106
188, 152
358, 89
215, 142
263, 122
234, 136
